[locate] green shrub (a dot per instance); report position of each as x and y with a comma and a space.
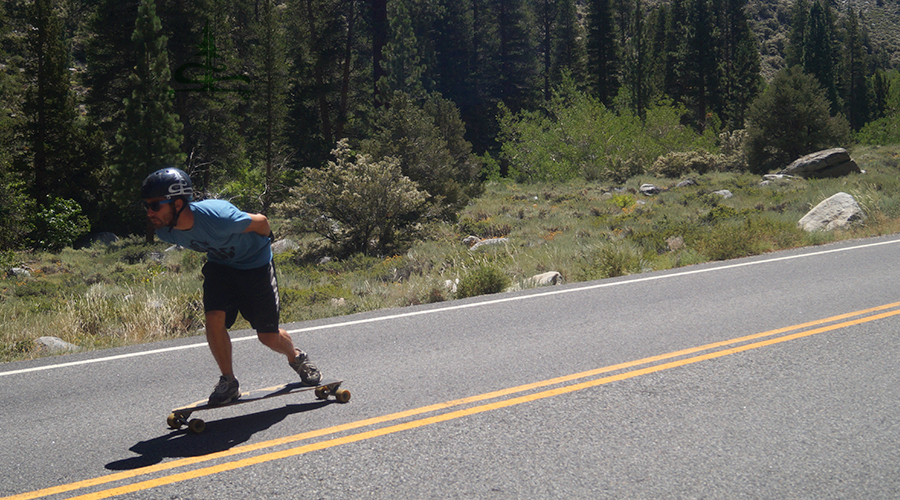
611, 260
426, 136
576, 136
482, 280
359, 204
881, 131
58, 225
678, 164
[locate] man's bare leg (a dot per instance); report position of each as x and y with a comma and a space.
279, 342
219, 341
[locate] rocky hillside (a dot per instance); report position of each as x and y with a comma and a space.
880, 17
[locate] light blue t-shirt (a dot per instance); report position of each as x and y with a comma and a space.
219, 231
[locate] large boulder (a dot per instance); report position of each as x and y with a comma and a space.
835, 212
835, 162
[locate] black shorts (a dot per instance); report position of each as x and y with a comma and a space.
252, 292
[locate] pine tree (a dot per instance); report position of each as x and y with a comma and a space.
854, 85
568, 47
454, 55
212, 88
880, 90
517, 56
602, 51
547, 13
696, 65
381, 30
15, 203
150, 135
791, 119
740, 63
49, 103
676, 31
268, 119
110, 54
797, 37
329, 71
401, 61
819, 53
637, 73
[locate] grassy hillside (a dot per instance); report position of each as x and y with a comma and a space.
130, 292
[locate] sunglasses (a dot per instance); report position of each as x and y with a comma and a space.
155, 206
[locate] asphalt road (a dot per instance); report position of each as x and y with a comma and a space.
769, 377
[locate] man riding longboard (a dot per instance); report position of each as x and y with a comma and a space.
239, 275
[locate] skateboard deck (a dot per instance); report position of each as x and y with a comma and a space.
181, 416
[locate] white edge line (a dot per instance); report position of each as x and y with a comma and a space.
463, 306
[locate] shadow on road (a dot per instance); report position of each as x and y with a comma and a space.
220, 435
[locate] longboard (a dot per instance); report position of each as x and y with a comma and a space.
181, 416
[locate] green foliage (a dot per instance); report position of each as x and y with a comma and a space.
482, 280
427, 138
882, 131
358, 204
611, 260
14, 207
791, 119
58, 225
576, 136
246, 189
403, 70
150, 135
623, 201
886, 129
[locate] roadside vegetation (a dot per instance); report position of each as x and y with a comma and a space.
131, 292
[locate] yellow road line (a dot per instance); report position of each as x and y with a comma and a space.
446, 405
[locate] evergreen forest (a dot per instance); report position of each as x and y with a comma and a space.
361, 119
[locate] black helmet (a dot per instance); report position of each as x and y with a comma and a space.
168, 183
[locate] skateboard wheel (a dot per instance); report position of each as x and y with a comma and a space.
321, 392
342, 395
197, 426
173, 422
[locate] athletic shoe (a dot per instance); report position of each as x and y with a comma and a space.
308, 372
226, 391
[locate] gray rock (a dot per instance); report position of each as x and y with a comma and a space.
835, 162
18, 272
835, 212
650, 190
545, 279
285, 245
724, 193
54, 345
474, 242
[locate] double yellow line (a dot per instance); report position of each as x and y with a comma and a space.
498, 399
